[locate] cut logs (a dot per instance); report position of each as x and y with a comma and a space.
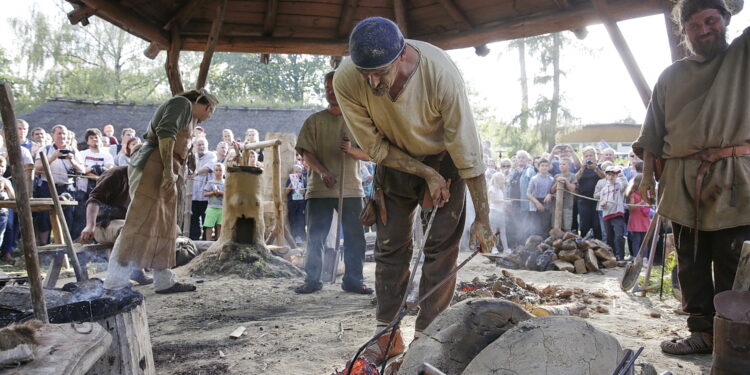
560, 251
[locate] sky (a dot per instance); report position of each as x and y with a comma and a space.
596, 85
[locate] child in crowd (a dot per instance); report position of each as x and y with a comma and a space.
498, 209
295, 202
639, 214
6, 192
253, 160
539, 194
571, 184
612, 201
214, 191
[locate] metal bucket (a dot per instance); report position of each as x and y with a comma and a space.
731, 334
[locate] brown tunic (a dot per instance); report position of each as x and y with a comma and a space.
148, 237
697, 106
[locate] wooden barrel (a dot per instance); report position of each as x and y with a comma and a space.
731, 347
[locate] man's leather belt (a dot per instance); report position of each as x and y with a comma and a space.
708, 157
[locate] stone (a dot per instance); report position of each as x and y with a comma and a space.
458, 334
580, 266
559, 345
569, 255
602, 310
564, 266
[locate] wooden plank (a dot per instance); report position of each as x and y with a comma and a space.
213, 39
28, 241
345, 19
624, 50
172, 64
742, 277
269, 23
183, 15
279, 218
309, 9
272, 45
399, 9
559, 195
538, 24
80, 273
53, 272
456, 13
677, 49
152, 50
81, 14
126, 19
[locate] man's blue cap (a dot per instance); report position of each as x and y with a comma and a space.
375, 42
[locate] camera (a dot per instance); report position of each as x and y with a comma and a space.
589, 162
65, 152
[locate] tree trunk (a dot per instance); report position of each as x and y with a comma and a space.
524, 85
551, 133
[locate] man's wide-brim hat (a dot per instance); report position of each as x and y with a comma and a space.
375, 42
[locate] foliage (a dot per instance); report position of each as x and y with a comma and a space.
241, 78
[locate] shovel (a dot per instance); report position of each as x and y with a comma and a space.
633, 270
651, 256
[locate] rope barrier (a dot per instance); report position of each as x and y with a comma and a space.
584, 197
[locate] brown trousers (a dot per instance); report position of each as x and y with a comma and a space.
393, 248
718, 251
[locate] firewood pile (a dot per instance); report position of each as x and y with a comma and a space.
550, 300
563, 251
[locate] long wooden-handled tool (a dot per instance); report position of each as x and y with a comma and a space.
652, 254
633, 270
337, 247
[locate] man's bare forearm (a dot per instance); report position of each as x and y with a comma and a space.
649, 162
314, 163
359, 154
92, 211
478, 190
166, 149
401, 161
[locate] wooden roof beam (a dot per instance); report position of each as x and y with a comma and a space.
270, 45
213, 39
172, 65
127, 20
623, 49
457, 14
347, 15
269, 22
183, 15
80, 13
399, 9
549, 22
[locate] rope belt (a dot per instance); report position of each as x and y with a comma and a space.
708, 157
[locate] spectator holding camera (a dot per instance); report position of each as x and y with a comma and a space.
63, 163
588, 175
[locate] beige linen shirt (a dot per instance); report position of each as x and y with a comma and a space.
696, 106
430, 115
321, 135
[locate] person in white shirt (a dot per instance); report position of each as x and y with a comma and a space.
204, 164
95, 160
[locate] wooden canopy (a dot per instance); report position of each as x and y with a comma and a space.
322, 26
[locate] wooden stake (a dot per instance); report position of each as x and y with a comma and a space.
559, 195
624, 50
742, 277
22, 198
213, 38
279, 228
173, 62
81, 274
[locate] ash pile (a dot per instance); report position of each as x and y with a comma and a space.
564, 251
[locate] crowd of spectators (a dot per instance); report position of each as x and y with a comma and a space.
600, 197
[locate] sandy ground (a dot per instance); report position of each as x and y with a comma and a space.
316, 334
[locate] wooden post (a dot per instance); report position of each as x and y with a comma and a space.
742, 277
23, 207
624, 50
213, 39
559, 195
399, 9
173, 62
80, 273
677, 49
279, 235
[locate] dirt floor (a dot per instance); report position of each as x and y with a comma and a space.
316, 334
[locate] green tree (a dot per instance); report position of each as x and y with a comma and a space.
287, 79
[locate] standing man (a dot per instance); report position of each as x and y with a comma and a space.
62, 163
705, 182
587, 177
406, 105
95, 161
23, 132
324, 143
148, 237
204, 164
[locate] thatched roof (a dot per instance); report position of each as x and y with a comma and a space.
322, 26
79, 115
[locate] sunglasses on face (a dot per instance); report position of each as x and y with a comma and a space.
505, 166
